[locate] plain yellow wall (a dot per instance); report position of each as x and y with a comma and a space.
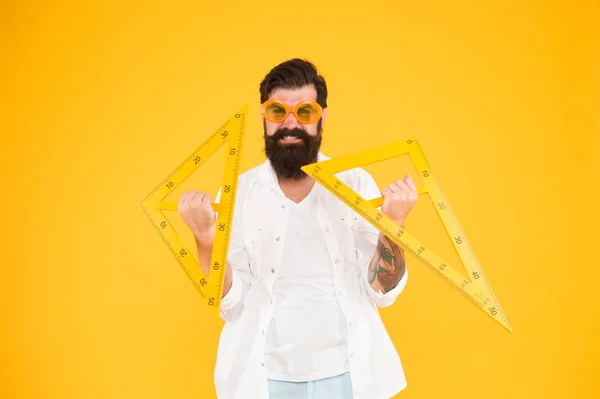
101, 101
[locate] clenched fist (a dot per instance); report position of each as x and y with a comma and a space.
399, 198
195, 208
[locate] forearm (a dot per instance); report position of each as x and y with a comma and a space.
204, 257
388, 264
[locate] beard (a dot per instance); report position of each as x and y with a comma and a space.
287, 159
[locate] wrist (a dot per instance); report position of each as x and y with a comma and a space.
204, 241
400, 222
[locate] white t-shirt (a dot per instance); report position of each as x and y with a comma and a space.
306, 339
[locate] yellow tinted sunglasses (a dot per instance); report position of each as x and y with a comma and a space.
277, 111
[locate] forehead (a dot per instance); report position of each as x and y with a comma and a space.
296, 95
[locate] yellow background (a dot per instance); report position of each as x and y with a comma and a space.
101, 101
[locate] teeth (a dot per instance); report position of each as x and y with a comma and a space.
289, 138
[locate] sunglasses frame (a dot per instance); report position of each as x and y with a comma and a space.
291, 110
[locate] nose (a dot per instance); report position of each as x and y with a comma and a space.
290, 122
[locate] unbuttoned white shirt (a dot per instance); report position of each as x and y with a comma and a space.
306, 339
258, 234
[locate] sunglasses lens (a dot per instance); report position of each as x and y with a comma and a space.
308, 113
275, 112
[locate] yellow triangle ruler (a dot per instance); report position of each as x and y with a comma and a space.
476, 288
211, 286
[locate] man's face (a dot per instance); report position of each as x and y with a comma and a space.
289, 145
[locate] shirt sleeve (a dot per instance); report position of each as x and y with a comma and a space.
367, 239
237, 259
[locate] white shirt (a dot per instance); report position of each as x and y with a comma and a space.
258, 236
306, 339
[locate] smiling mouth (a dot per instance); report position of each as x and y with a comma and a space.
290, 139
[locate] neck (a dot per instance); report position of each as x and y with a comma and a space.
288, 181
296, 190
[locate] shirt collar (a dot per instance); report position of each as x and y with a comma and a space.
268, 177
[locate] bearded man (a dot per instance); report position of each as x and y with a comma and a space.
305, 274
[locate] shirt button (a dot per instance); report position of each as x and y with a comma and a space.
350, 324
277, 239
282, 206
272, 270
340, 292
271, 301
327, 228
262, 364
263, 333
337, 261
351, 356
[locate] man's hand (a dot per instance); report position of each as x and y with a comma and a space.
399, 198
195, 208
388, 264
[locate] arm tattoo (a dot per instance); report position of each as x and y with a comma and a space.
388, 265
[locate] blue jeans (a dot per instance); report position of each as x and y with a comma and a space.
338, 387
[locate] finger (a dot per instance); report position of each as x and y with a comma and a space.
386, 191
197, 197
190, 195
403, 186
401, 195
393, 187
410, 182
182, 198
185, 198
207, 198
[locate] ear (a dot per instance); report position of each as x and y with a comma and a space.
324, 116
